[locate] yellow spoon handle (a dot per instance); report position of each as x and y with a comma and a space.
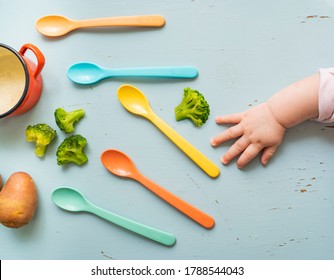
145, 20
201, 160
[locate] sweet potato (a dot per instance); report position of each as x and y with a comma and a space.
18, 200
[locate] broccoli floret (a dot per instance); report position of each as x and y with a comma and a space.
65, 120
71, 150
42, 134
193, 106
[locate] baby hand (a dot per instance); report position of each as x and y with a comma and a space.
257, 130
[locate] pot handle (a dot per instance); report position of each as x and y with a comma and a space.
40, 57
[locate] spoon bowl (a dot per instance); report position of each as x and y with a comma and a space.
71, 199
54, 25
86, 73
118, 163
57, 25
134, 101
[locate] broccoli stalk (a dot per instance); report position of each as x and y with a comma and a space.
193, 106
71, 150
65, 120
42, 134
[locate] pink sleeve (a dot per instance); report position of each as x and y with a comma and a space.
326, 95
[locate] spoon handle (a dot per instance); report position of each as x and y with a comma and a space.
146, 20
192, 212
201, 160
162, 72
146, 231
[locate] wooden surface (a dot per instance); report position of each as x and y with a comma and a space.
245, 51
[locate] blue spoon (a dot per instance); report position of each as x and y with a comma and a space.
87, 73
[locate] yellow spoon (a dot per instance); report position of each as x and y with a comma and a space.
135, 102
57, 25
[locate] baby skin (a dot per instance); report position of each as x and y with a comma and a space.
262, 128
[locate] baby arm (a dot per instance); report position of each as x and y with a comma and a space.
262, 128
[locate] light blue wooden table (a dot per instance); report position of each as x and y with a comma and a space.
245, 51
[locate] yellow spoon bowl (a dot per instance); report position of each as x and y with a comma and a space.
135, 102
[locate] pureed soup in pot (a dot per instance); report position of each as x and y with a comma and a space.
12, 80
20, 79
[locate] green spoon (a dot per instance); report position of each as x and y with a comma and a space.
71, 199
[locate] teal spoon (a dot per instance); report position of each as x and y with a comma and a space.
87, 73
72, 200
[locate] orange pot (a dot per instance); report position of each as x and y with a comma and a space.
20, 79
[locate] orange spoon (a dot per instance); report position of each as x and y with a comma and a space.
57, 25
121, 165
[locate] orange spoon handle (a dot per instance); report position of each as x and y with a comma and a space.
145, 20
197, 215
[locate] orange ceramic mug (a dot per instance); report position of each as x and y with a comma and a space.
20, 79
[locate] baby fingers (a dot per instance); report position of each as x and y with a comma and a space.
228, 134
268, 153
232, 118
237, 148
248, 154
